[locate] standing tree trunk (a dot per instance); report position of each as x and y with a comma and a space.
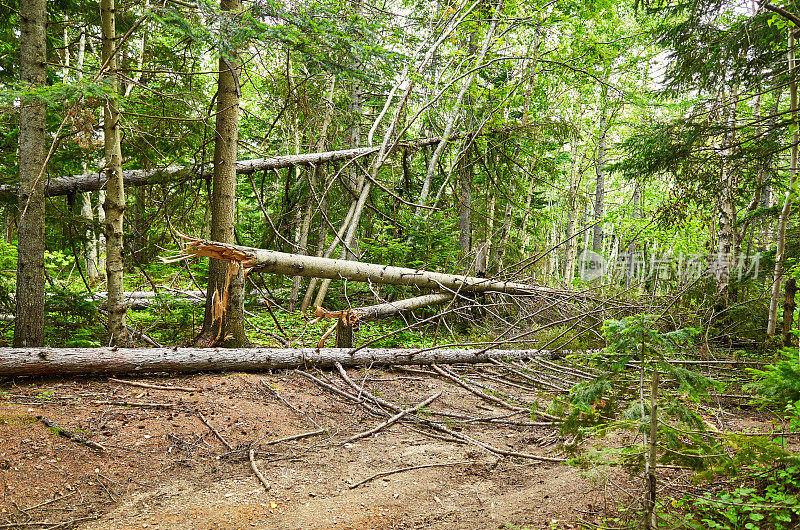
29, 324
780, 253
789, 305
631, 264
115, 192
316, 173
465, 198
600, 187
224, 311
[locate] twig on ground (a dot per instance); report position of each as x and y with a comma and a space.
404, 469
256, 471
296, 437
441, 428
51, 501
66, 433
144, 404
447, 374
216, 432
156, 387
274, 391
393, 419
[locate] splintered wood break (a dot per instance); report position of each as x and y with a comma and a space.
350, 315
197, 247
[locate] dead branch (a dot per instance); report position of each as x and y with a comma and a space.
404, 469
393, 419
66, 433
156, 387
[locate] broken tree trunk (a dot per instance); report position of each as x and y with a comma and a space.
379, 311
274, 262
142, 177
349, 318
75, 361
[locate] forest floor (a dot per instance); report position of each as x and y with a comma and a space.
163, 467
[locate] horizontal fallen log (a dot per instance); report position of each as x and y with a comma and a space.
77, 361
274, 262
70, 184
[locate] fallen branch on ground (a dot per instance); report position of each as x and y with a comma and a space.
404, 469
156, 387
393, 419
66, 433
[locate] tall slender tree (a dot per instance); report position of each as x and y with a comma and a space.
224, 313
29, 324
115, 190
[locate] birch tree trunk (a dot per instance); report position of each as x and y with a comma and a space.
780, 252
270, 261
224, 314
29, 324
465, 199
309, 211
725, 206
115, 195
600, 187
570, 252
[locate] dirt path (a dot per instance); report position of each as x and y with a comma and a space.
164, 468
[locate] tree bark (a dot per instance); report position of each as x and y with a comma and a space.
224, 311
600, 183
74, 361
29, 325
465, 199
789, 305
780, 252
115, 191
270, 261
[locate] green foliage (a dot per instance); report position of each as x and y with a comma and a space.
779, 384
616, 401
767, 500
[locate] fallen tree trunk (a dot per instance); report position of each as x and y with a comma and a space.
274, 262
76, 361
388, 309
141, 177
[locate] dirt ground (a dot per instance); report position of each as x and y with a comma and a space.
163, 467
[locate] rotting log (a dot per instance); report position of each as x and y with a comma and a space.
70, 184
274, 262
77, 361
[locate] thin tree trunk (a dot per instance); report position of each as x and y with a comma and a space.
448, 130
650, 465
600, 187
465, 198
725, 206
780, 253
631, 265
570, 251
115, 191
29, 324
309, 210
223, 319
789, 306
101, 235
84, 199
